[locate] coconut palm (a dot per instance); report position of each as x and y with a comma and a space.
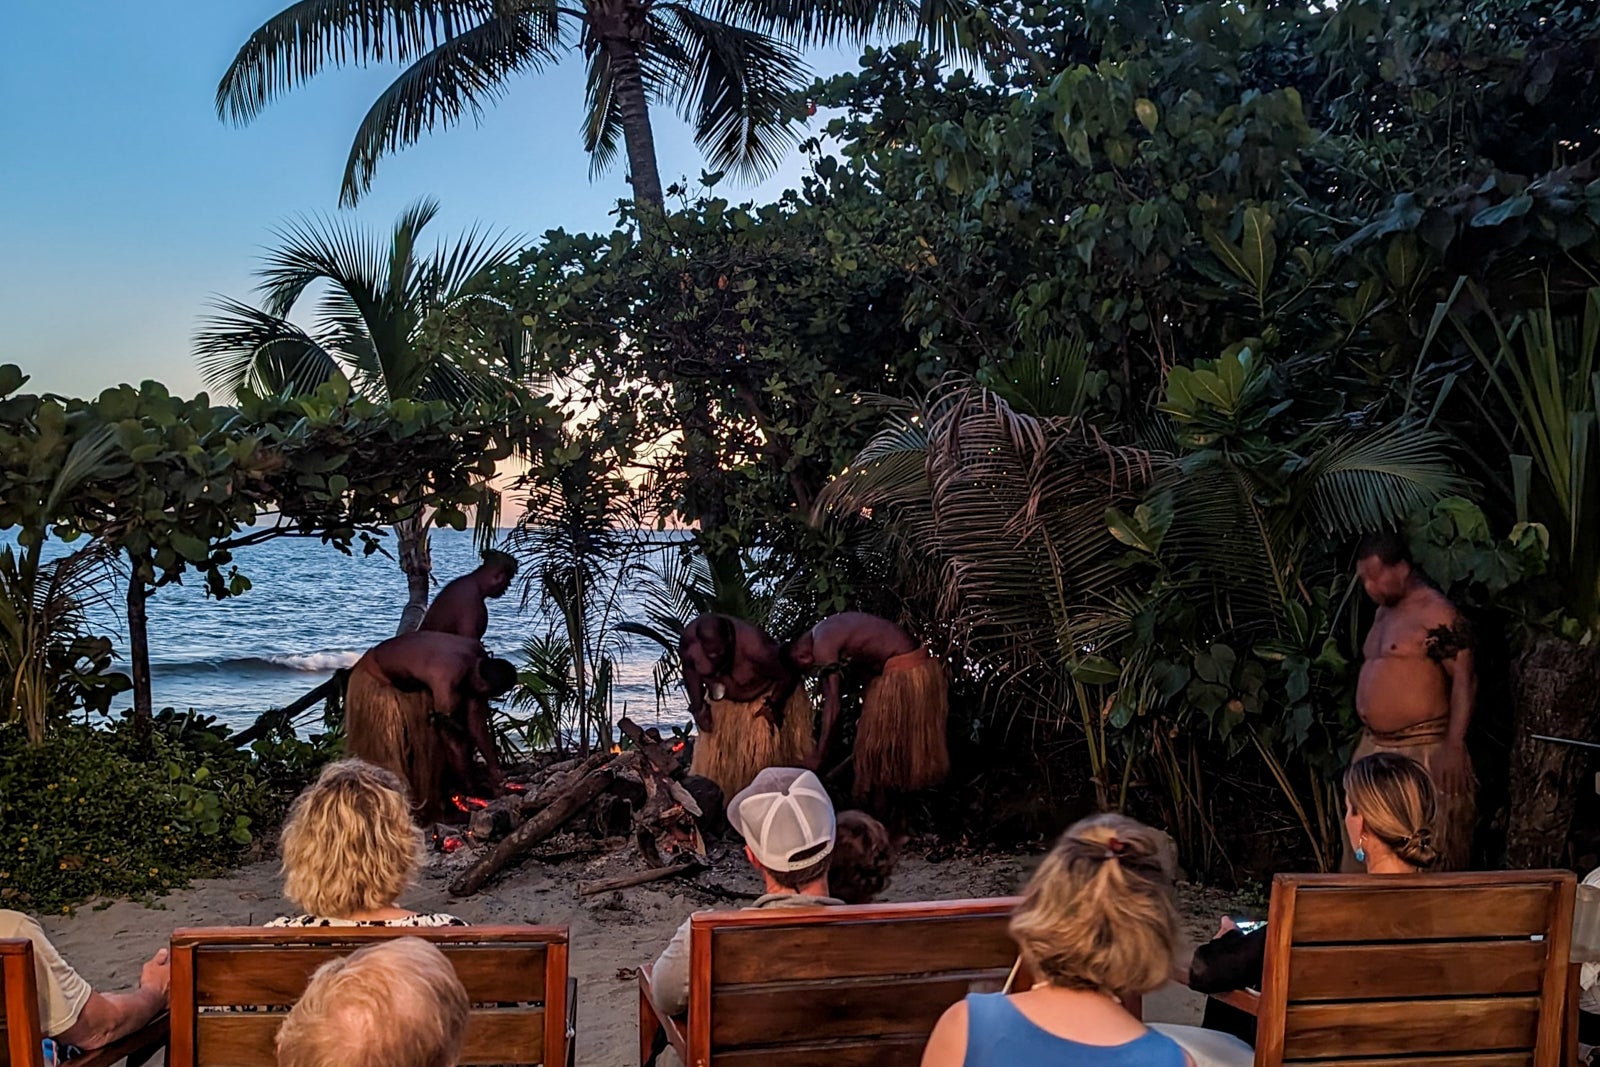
731, 67
392, 322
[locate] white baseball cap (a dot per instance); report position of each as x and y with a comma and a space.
786, 818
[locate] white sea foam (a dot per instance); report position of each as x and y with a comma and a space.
315, 661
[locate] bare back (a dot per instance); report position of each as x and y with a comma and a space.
458, 609
1403, 681
855, 638
438, 663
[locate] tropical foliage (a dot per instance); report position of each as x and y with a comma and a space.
393, 323
730, 67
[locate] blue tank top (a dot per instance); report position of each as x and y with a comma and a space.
998, 1035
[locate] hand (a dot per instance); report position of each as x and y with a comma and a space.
1451, 769
771, 712
1227, 925
156, 974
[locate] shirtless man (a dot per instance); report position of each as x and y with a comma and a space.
460, 609
421, 700
1417, 688
746, 699
900, 744
726, 659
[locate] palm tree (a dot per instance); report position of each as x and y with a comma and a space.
391, 322
731, 67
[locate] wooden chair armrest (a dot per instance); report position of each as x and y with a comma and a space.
1244, 1000
136, 1048
652, 1022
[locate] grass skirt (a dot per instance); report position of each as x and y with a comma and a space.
740, 745
390, 728
900, 744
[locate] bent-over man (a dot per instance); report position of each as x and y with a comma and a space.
76, 1015
420, 702
900, 743
746, 699
460, 607
1417, 688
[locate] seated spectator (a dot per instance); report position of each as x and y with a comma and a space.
350, 849
863, 858
1096, 923
1588, 990
72, 1013
1389, 814
393, 1004
786, 820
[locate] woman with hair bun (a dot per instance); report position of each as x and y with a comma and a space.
1390, 810
1096, 924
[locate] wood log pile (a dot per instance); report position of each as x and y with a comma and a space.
643, 789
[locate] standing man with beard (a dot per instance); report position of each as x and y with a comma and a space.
1417, 689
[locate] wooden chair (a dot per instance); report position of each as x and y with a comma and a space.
24, 1034
830, 987
524, 1007
1429, 970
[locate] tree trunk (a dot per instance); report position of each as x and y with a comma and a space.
1557, 687
416, 563
139, 648
700, 466
643, 173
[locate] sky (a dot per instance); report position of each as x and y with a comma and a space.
126, 204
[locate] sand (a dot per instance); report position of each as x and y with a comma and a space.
611, 933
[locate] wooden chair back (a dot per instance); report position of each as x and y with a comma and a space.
515, 977
22, 1031
1440, 970
841, 986
19, 1005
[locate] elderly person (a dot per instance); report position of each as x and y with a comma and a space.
350, 850
1097, 923
73, 1013
394, 1004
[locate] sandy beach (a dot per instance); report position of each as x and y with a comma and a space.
611, 933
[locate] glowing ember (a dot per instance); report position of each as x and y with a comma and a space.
679, 747
515, 787
615, 749
468, 803
451, 843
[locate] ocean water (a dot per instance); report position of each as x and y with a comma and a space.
311, 610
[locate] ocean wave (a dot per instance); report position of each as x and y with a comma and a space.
301, 663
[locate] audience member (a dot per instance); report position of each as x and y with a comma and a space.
1097, 923
1389, 814
863, 858
393, 1004
787, 823
350, 849
74, 1014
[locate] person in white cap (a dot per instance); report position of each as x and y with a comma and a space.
787, 822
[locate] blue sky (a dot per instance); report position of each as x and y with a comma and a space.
127, 203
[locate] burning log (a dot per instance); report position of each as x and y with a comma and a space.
555, 815
495, 820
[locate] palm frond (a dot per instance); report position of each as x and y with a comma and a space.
813, 23
602, 115
318, 248
299, 41
1374, 481
240, 348
458, 77
741, 89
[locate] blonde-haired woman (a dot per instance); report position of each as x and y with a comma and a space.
1096, 924
350, 850
1389, 813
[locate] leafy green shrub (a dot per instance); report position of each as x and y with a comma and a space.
101, 812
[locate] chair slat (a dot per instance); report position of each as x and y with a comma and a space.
1398, 1027
1387, 913
857, 949
277, 974
496, 1035
1484, 1059
878, 1052
783, 1013
1396, 969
